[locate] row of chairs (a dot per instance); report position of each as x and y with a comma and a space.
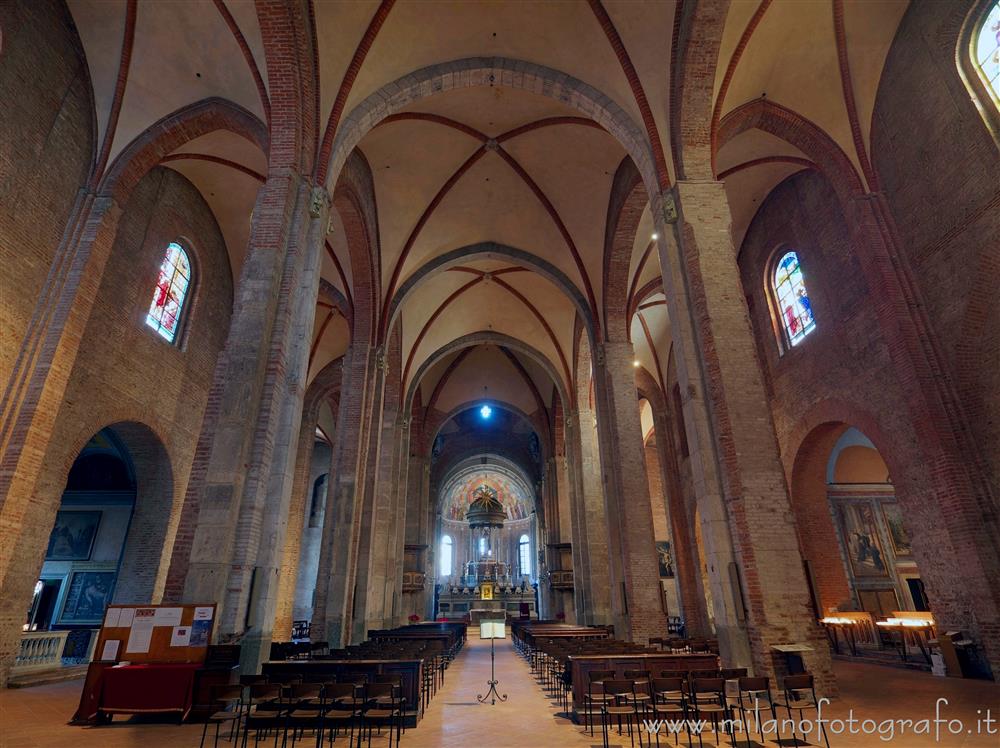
292, 709
700, 697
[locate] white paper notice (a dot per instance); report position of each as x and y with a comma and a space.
110, 651
142, 630
181, 636
203, 614
125, 618
112, 617
168, 616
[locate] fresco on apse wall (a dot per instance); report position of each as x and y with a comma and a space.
510, 494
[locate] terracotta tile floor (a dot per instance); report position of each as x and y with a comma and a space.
35, 717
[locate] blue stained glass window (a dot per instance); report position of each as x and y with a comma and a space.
792, 299
172, 285
987, 50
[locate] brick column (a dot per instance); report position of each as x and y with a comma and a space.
633, 567
747, 523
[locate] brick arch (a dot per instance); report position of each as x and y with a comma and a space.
625, 207
472, 252
354, 201
324, 386
487, 338
495, 71
800, 132
170, 133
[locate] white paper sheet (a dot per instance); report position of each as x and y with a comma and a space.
168, 616
180, 636
112, 618
125, 618
110, 651
139, 638
203, 613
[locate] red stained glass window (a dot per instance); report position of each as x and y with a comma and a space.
792, 299
172, 285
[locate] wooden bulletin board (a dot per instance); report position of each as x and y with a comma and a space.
164, 634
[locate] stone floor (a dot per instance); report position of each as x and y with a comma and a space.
36, 717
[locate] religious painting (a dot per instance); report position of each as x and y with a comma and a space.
486, 591
861, 540
665, 558
897, 533
73, 536
88, 596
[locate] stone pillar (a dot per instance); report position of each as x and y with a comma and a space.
682, 538
297, 517
238, 497
758, 583
633, 567
335, 588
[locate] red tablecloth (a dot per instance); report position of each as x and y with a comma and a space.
135, 689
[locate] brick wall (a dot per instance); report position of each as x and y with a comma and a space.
941, 183
45, 90
126, 373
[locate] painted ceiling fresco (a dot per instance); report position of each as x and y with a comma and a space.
460, 492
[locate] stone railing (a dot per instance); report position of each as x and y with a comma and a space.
40, 650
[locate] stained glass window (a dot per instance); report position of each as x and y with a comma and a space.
172, 285
792, 300
987, 50
524, 554
446, 556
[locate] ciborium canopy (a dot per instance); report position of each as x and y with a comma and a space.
485, 511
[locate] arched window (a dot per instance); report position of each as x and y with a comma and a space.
172, 285
445, 562
791, 300
986, 51
524, 555
482, 546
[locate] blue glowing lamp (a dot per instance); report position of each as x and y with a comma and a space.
486, 411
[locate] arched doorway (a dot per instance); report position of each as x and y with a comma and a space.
108, 540
851, 528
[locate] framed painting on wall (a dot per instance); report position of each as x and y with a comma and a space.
72, 537
861, 540
665, 558
87, 597
897, 533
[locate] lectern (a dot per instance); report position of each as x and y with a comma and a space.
492, 630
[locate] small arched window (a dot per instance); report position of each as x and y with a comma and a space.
171, 290
524, 555
986, 51
445, 562
791, 300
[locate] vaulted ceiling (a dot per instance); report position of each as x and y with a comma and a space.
492, 200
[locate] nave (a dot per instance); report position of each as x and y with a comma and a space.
530, 717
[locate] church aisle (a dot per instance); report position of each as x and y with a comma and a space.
526, 720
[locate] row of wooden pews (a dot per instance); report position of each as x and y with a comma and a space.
563, 656
419, 655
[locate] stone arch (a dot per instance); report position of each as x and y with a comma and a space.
628, 200
495, 71
480, 338
493, 249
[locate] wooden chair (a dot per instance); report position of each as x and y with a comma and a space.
641, 680
382, 706
341, 710
230, 698
623, 704
708, 700
596, 677
751, 692
799, 694
266, 709
669, 703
